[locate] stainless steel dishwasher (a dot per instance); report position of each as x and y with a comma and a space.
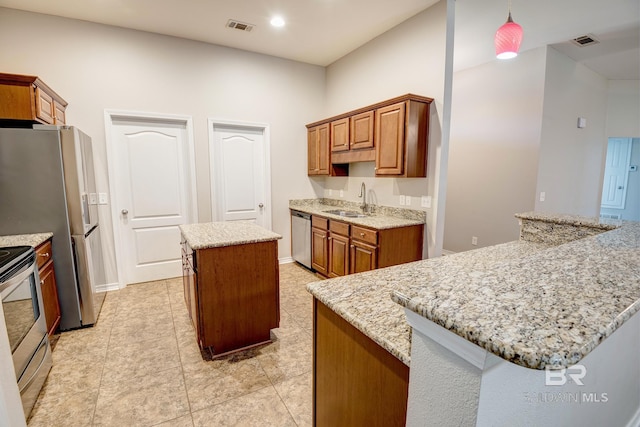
301, 237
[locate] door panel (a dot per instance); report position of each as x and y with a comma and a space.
152, 189
616, 173
238, 169
338, 255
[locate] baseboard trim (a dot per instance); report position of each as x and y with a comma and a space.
285, 260
446, 252
115, 286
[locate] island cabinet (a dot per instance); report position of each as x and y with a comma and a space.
27, 98
48, 286
232, 293
339, 248
356, 382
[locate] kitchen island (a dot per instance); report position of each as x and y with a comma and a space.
231, 284
544, 300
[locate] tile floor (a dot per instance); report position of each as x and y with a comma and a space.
140, 366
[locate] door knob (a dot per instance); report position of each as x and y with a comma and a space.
620, 187
125, 212
261, 205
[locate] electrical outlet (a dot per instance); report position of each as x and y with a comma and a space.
543, 195
425, 202
330, 192
102, 198
407, 200
474, 241
402, 201
341, 193
93, 199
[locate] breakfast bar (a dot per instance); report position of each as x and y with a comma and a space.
487, 333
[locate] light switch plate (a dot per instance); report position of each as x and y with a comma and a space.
474, 241
543, 195
330, 192
93, 199
425, 202
102, 198
407, 200
341, 193
401, 200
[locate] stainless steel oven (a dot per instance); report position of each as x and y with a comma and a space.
24, 317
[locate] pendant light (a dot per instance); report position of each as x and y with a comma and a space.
508, 38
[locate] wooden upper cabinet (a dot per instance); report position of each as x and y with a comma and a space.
390, 138
361, 135
393, 133
340, 135
318, 150
28, 98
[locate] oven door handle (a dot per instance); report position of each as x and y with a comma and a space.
8, 286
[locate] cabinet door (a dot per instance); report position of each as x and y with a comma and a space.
323, 150
60, 113
319, 251
389, 135
312, 151
44, 106
362, 131
338, 255
340, 135
363, 257
50, 297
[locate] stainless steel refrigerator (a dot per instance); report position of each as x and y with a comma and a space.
47, 184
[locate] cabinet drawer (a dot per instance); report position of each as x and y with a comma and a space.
339, 228
319, 222
43, 253
364, 234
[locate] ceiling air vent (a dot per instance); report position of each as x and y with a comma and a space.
232, 23
585, 40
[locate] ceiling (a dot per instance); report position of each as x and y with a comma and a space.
322, 31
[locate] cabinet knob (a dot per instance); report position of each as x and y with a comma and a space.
361, 234
329, 238
41, 282
45, 255
352, 246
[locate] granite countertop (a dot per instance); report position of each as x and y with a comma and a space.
364, 299
218, 234
574, 220
533, 303
384, 217
548, 308
25, 239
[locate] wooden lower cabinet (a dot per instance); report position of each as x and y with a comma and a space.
48, 286
356, 382
339, 248
232, 294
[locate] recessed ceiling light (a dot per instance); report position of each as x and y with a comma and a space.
277, 21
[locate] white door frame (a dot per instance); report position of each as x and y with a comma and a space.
112, 155
264, 127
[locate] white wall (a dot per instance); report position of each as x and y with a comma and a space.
409, 58
571, 159
496, 122
95, 67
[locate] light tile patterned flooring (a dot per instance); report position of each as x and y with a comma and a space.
140, 366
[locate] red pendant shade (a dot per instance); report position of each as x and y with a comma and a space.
508, 39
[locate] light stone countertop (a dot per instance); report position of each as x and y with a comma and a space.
549, 308
384, 217
218, 234
25, 239
533, 303
364, 299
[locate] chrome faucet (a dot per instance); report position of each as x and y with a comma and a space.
363, 194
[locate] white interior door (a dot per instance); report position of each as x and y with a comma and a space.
616, 173
153, 196
239, 166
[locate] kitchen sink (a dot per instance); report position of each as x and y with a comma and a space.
348, 214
